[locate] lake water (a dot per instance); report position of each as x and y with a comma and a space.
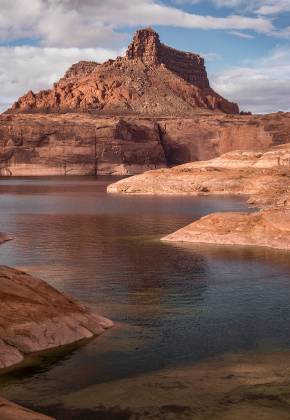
173, 304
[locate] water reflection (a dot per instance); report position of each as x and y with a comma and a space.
174, 303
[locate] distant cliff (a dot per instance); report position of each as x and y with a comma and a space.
85, 144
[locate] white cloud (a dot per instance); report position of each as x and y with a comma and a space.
211, 56
272, 7
241, 34
263, 86
92, 23
34, 68
262, 7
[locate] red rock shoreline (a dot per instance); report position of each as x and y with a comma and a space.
264, 176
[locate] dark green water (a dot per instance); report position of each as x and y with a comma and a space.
174, 304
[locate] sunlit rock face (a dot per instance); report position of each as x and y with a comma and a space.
150, 79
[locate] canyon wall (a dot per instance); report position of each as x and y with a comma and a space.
83, 144
39, 144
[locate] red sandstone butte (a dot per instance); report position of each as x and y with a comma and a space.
151, 79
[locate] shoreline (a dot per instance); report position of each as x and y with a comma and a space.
261, 177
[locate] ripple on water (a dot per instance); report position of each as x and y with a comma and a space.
174, 304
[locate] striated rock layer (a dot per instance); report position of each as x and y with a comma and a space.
77, 144
152, 79
85, 144
264, 176
35, 316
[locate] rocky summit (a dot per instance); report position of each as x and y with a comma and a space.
152, 79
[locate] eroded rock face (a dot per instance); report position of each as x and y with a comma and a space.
69, 144
84, 144
35, 316
152, 79
146, 46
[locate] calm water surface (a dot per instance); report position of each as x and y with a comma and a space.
173, 303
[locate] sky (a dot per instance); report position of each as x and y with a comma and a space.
245, 43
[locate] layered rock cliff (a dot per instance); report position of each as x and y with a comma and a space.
146, 46
85, 144
152, 79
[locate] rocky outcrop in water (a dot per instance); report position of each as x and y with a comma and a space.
270, 228
152, 79
35, 316
260, 174
264, 176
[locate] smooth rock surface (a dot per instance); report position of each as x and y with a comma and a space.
264, 176
35, 317
268, 228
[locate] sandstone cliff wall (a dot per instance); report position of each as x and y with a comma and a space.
82, 144
77, 145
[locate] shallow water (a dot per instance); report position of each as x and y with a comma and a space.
174, 304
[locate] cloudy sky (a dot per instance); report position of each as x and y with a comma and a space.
246, 43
